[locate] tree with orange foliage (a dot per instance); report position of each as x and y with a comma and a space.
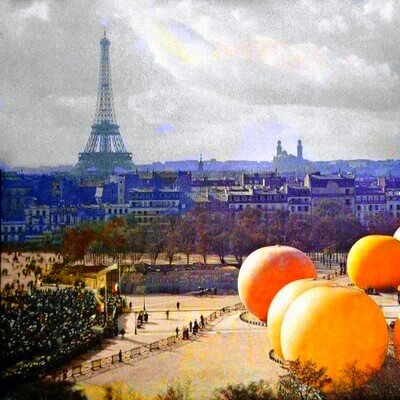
76, 242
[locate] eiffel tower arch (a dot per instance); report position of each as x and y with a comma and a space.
105, 152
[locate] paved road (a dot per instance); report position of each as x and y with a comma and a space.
231, 352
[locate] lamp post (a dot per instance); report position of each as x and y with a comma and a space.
119, 282
135, 323
119, 277
105, 296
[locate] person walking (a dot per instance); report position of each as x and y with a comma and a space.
178, 305
190, 326
202, 321
120, 356
167, 314
177, 331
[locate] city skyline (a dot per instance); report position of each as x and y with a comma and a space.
226, 80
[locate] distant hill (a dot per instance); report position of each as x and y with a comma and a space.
4, 166
37, 170
361, 167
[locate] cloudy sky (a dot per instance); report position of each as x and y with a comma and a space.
224, 78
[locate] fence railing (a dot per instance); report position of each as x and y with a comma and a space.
250, 321
275, 359
133, 353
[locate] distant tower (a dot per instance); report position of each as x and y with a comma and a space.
201, 164
279, 148
299, 150
105, 151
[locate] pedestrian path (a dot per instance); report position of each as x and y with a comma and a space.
134, 347
228, 351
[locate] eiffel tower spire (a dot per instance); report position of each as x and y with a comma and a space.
105, 104
105, 149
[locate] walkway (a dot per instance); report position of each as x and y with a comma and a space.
230, 352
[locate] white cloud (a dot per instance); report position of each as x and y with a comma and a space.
38, 9
335, 25
383, 9
224, 78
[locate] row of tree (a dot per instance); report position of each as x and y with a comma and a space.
330, 229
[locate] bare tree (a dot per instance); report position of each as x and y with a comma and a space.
303, 381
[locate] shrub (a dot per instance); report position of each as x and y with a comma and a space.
303, 381
260, 390
120, 391
383, 385
177, 391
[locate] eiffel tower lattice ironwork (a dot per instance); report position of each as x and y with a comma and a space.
105, 151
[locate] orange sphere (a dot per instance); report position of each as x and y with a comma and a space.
397, 234
396, 339
266, 271
335, 327
280, 305
374, 261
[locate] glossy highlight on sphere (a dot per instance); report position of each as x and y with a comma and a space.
280, 305
374, 261
266, 271
335, 327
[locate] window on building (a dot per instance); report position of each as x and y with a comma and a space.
359, 208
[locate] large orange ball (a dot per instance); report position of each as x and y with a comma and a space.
335, 327
266, 271
374, 261
396, 339
280, 305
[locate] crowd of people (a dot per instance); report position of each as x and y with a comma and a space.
44, 328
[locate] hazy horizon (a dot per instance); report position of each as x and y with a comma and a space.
226, 79
204, 160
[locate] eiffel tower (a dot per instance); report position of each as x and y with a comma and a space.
105, 152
